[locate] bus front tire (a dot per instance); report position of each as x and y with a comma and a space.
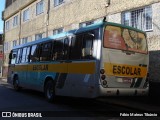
49, 91
16, 84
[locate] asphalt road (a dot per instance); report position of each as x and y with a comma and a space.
33, 101
29, 100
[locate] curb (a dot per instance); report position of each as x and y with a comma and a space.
3, 79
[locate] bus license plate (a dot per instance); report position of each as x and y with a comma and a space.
126, 80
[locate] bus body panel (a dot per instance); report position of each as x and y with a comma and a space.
72, 78
124, 66
124, 62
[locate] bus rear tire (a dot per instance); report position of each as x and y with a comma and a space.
16, 84
49, 91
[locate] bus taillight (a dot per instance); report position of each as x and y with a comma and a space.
102, 71
103, 77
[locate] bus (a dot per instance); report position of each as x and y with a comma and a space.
102, 59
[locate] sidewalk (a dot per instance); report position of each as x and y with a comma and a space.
132, 103
3, 79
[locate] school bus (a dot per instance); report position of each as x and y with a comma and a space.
103, 59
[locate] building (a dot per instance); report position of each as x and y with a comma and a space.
1, 53
30, 20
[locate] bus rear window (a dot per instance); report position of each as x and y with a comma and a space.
124, 39
113, 38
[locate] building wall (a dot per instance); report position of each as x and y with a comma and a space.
76, 11
72, 12
1, 54
154, 44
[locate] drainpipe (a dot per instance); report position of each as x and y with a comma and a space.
47, 21
20, 22
108, 2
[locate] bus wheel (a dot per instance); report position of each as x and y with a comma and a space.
16, 84
49, 91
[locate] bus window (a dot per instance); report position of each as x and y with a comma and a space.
24, 55
12, 57
58, 50
113, 38
46, 52
18, 59
27, 55
87, 46
66, 48
34, 53
76, 47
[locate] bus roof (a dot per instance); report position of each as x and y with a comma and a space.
77, 31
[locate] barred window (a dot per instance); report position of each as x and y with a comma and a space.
39, 7
24, 40
140, 18
58, 2
14, 43
38, 36
7, 25
84, 24
15, 21
26, 15
6, 46
57, 31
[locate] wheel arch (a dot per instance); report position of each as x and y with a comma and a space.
14, 77
46, 80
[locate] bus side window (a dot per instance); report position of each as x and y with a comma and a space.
76, 47
12, 57
27, 54
18, 59
34, 56
87, 46
46, 52
66, 48
58, 50
24, 55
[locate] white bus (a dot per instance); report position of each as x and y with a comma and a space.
103, 59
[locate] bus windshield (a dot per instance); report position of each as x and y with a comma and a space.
116, 37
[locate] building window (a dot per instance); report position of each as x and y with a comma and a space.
58, 2
140, 18
6, 46
7, 25
14, 43
84, 24
26, 15
24, 40
38, 36
39, 7
15, 21
57, 31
